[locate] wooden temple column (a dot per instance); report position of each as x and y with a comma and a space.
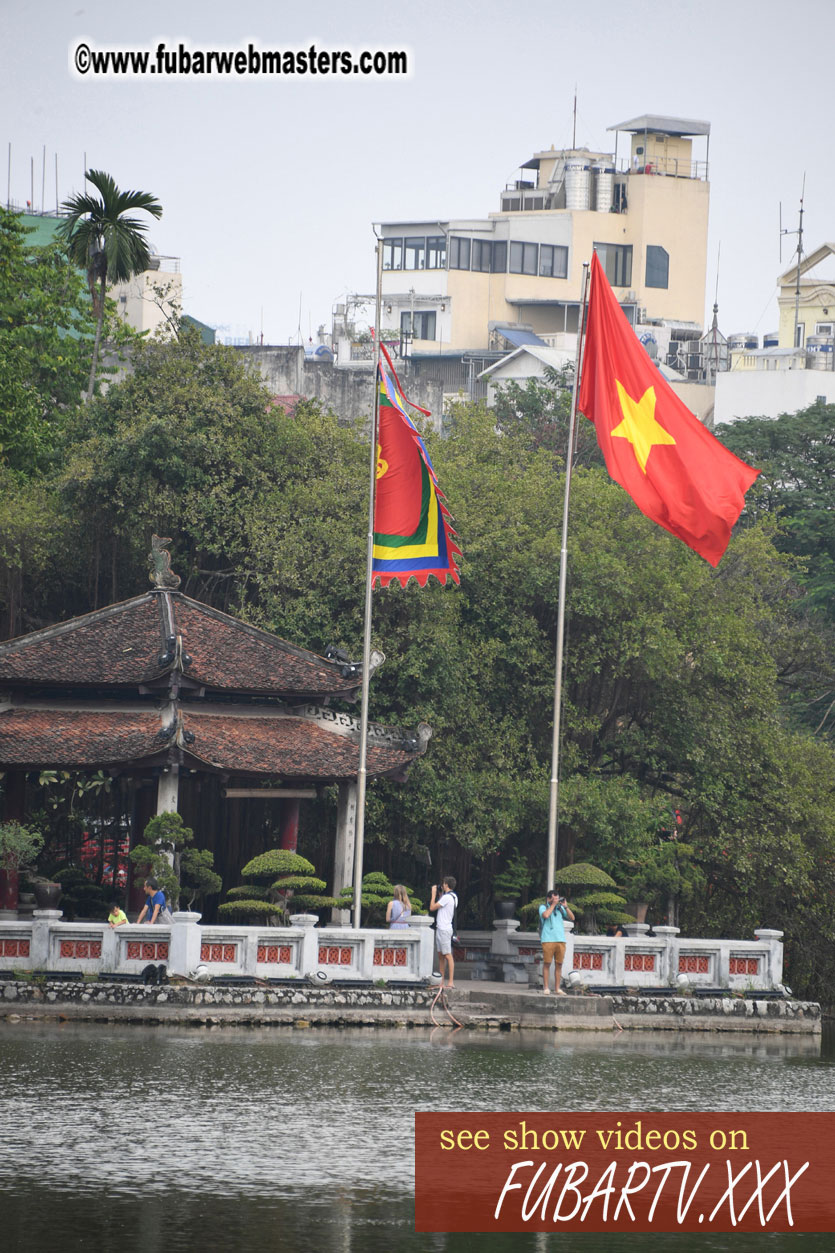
290, 824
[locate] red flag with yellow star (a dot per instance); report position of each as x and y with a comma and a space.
674, 469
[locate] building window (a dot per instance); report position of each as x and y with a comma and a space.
553, 261
616, 260
392, 254
825, 328
523, 258
511, 204
500, 257
436, 252
459, 253
418, 325
415, 252
658, 266
482, 255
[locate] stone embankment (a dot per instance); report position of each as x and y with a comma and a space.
482, 1005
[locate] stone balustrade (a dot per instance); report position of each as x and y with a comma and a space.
298, 951
665, 959
303, 950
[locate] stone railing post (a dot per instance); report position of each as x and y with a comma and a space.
184, 943
568, 960
669, 954
426, 950
109, 949
43, 921
774, 941
503, 929
310, 942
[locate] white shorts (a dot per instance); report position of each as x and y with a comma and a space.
443, 941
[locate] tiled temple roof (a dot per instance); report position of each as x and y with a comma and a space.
285, 747
137, 642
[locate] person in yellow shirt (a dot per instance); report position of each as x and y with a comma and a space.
117, 917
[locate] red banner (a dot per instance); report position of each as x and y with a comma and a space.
624, 1172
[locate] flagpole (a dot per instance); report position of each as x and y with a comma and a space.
359, 837
569, 459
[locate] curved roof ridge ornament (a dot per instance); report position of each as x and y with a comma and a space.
161, 574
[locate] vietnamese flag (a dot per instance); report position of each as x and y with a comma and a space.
674, 469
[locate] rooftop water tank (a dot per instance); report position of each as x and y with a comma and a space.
771, 339
820, 352
605, 186
577, 184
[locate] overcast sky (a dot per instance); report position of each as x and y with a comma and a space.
270, 185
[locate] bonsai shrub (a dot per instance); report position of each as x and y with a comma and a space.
514, 881
377, 891
80, 897
19, 846
601, 904
283, 882
181, 871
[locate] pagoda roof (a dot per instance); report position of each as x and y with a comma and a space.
314, 745
149, 639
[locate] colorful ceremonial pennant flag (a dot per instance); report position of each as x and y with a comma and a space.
412, 533
674, 469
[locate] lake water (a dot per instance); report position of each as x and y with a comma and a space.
129, 1138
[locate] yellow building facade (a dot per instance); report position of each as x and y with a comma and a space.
448, 284
807, 300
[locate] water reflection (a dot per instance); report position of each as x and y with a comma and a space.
185, 1138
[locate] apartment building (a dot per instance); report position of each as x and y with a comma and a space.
464, 285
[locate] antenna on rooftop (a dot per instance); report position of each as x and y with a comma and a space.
713, 368
799, 234
574, 128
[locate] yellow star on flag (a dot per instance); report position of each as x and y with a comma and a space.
639, 425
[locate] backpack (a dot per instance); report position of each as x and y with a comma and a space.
454, 920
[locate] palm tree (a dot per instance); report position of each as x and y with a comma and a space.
109, 245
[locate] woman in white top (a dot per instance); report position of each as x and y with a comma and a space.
399, 910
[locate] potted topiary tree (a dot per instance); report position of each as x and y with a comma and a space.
287, 880
511, 883
180, 869
598, 900
19, 846
377, 891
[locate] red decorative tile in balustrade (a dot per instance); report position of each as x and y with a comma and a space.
745, 966
14, 948
588, 961
529, 952
334, 955
639, 961
274, 954
219, 953
693, 965
146, 950
81, 949
390, 956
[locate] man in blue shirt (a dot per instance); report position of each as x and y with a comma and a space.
552, 935
155, 902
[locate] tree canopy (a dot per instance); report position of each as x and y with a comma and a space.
682, 683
